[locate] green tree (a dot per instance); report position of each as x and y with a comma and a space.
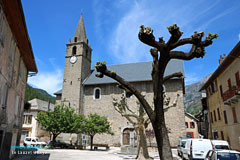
61, 120
96, 124
162, 52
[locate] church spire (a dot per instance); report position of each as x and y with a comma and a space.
80, 34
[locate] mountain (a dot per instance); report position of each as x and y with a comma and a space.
192, 97
32, 93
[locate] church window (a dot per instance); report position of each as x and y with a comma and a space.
74, 50
75, 39
97, 93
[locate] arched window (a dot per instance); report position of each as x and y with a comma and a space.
97, 93
75, 39
128, 94
74, 50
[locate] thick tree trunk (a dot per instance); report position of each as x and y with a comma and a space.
54, 137
159, 125
163, 143
91, 142
142, 147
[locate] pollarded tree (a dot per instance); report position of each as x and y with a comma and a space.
162, 52
96, 124
139, 120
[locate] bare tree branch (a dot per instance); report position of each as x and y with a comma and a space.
195, 40
102, 68
146, 36
177, 74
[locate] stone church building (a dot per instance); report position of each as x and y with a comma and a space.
86, 93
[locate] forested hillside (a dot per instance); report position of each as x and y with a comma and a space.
192, 97
32, 93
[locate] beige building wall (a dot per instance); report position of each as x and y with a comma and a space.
104, 107
189, 128
233, 128
223, 97
217, 128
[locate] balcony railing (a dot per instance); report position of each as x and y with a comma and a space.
231, 96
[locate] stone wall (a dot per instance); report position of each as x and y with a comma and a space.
174, 117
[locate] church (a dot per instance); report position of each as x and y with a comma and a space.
86, 93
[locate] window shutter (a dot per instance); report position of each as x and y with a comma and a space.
219, 116
211, 117
229, 84
234, 115
215, 117
221, 90
237, 78
225, 117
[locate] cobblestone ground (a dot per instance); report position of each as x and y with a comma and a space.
71, 154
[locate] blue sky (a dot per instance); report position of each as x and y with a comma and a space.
112, 27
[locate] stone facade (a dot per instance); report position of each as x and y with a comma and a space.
13, 75
104, 107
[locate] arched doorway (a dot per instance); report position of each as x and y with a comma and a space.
128, 136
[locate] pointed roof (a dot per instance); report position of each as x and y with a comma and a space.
80, 33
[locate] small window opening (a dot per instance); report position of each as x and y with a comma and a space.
75, 39
97, 93
128, 94
74, 50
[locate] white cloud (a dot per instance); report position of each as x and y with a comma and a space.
125, 45
49, 81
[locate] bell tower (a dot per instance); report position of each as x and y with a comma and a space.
77, 68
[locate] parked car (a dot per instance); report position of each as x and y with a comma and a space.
220, 144
181, 145
222, 155
33, 141
58, 144
196, 148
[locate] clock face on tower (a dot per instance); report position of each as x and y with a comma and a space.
73, 59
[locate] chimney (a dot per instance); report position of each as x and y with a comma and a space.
222, 58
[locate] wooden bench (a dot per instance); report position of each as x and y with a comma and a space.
100, 145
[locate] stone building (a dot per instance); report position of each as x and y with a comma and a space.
223, 95
16, 61
30, 126
89, 94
